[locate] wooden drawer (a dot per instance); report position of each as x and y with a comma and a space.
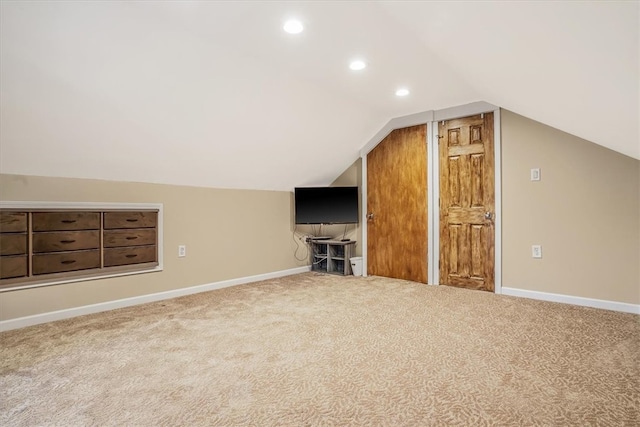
57, 241
135, 237
130, 219
13, 222
13, 243
65, 261
132, 255
59, 221
13, 266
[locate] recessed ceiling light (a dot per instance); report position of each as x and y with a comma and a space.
357, 65
402, 92
293, 26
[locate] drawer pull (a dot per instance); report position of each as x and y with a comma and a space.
67, 241
68, 221
132, 237
132, 220
68, 261
132, 255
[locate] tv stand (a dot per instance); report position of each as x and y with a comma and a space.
332, 256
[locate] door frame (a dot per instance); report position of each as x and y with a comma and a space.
431, 119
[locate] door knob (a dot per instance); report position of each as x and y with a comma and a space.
370, 217
488, 215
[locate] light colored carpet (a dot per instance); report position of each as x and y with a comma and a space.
321, 350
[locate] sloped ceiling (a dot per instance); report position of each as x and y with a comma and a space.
215, 93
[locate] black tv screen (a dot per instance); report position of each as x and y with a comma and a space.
326, 205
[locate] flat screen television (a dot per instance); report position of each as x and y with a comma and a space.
326, 205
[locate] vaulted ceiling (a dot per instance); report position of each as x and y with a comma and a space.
215, 93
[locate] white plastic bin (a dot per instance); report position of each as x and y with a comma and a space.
356, 265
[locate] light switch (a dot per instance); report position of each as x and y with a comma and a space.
535, 174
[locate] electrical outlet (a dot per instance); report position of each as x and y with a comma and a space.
536, 251
535, 174
182, 251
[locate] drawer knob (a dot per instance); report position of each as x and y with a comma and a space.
132, 237
68, 221
132, 220
132, 255
68, 261
67, 241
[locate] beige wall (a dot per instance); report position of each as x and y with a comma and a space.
585, 212
352, 176
228, 233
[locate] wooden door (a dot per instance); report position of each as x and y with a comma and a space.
467, 202
397, 206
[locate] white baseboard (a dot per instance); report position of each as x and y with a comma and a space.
21, 322
568, 299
